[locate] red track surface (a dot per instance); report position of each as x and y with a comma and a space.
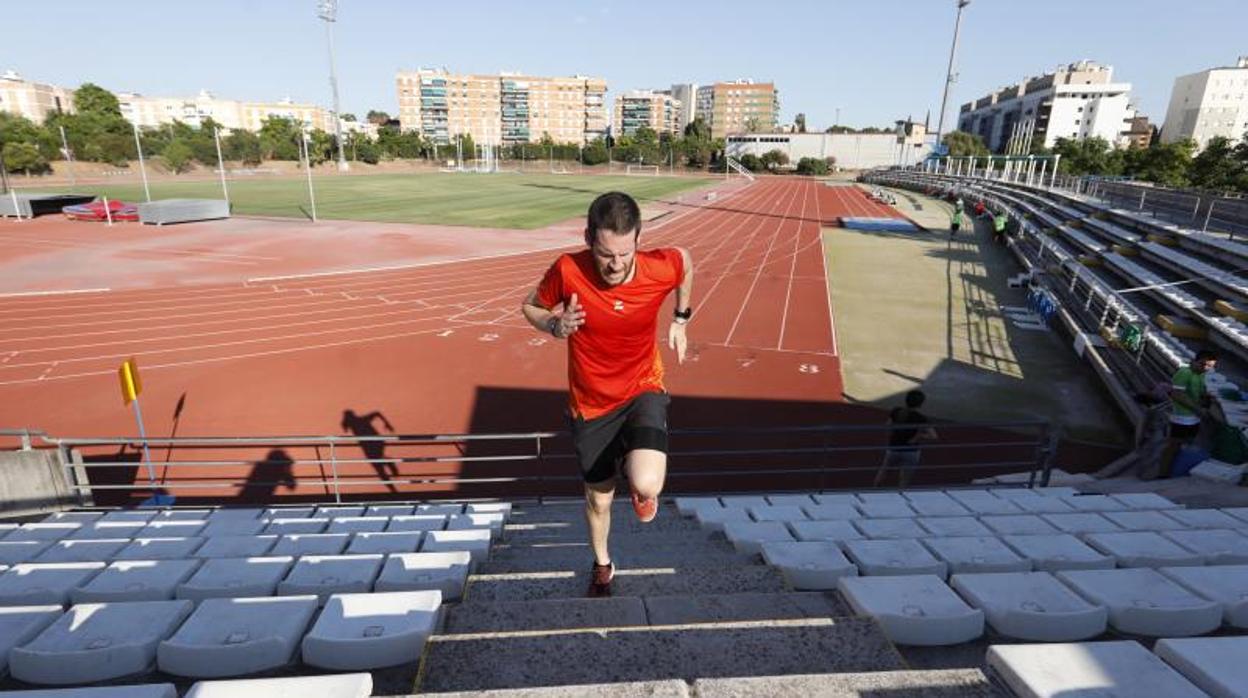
437, 349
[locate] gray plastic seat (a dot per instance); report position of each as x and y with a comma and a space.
1144, 521
1218, 547
71, 550
475, 541
14, 552
135, 580
171, 528
1031, 606
233, 527
357, 524
298, 525
159, 549
953, 526
20, 624
814, 565
385, 542
1203, 518
370, 631
1225, 584
893, 557
1058, 551
334, 512
234, 514
237, 637
976, 554
444, 508
417, 522
141, 515
445, 572
330, 686
98, 642
1122, 668
1144, 602
1143, 549
1018, 525
464, 522
824, 530
299, 544
37, 584
890, 528
236, 546
323, 575
102, 530
43, 531
389, 510
914, 609
72, 517
288, 512
1083, 522
1215, 664
236, 577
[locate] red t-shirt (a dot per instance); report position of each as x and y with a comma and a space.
613, 357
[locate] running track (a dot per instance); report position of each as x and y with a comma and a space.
440, 348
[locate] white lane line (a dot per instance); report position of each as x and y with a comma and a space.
65, 292
788, 291
827, 285
784, 218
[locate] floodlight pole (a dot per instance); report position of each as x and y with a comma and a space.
69, 158
950, 76
138, 146
216, 136
327, 10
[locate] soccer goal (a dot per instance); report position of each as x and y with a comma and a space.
651, 170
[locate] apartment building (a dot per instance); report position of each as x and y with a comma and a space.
659, 111
1209, 103
502, 109
33, 100
1076, 101
738, 106
146, 111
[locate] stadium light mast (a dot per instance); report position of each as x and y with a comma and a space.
327, 10
950, 76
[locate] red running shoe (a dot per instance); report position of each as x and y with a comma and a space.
600, 580
646, 509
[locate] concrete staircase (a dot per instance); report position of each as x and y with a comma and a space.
689, 616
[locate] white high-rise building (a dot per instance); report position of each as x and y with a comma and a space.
33, 100
687, 95
1076, 101
1210, 103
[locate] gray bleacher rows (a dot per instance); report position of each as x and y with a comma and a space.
1041, 565
218, 593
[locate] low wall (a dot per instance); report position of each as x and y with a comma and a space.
32, 482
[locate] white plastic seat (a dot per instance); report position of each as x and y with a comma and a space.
885, 509
385, 542
72, 550
914, 609
890, 528
20, 624
288, 513
1040, 504
81, 517
1058, 551
1145, 602
141, 515
831, 531
98, 642
14, 552
1225, 584
37, 584
893, 557
814, 565
357, 524
1215, 664
444, 508
776, 512
789, 500
328, 686
464, 522
1070, 670
1031, 606
43, 531
236, 637
1084, 522
714, 519
159, 549
1145, 500
388, 510
503, 508
881, 497
171, 529
283, 527
835, 499
953, 526
135, 580
335, 512
1153, 520
183, 515
1094, 502
1018, 525
1240, 513
976, 554
102, 530
936, 504
446, 572
1202, 518
982, 502
370, 631
417, 522
1143, 549
476, 542
831, 512
230, 514
235, 577
311, 544
323, 575
233, 527
748, 536
236, 546
1219, 547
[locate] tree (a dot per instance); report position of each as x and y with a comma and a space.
177, 156
377, 117
1216, 166
1166, 164
1092, 156
751, 162
594, 153
753, 125
812, 166
279, 139
698, 129
349, 117
24, 157
800, 122
95, 100
243, 146
961, 144
774, 159
365, 149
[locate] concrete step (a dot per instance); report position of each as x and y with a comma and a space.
689, 652
953, 683
633, 611
575, 556
629, 581
673, 688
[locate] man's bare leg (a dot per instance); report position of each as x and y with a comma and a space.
647, 470
598, 498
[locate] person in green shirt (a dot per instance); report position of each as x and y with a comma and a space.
998, 227
955, 222
1189, 403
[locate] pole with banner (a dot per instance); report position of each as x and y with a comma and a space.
131, 388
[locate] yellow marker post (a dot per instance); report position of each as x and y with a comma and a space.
131, 387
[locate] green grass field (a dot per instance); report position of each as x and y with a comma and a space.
523, 201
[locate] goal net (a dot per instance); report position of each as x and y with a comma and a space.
651, 170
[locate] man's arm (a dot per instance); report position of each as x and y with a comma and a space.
676, 338
559, 324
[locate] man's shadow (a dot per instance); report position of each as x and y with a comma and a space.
374, 450
277, 469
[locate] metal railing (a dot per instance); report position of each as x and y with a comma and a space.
821, 457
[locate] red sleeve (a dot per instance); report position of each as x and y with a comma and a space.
550, 290
677, 262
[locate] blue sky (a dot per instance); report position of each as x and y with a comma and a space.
876, 60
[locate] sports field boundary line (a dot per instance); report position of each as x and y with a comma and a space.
64, 292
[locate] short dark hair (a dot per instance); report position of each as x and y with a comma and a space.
614, 211
1206, 355
915, 398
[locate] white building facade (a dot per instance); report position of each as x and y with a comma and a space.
1076, 101
853, 151
145, 111
33, 100
1208, 104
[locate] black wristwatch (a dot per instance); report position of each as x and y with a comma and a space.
683, 315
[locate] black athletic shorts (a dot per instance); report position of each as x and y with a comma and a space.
603, 442
1184, 432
